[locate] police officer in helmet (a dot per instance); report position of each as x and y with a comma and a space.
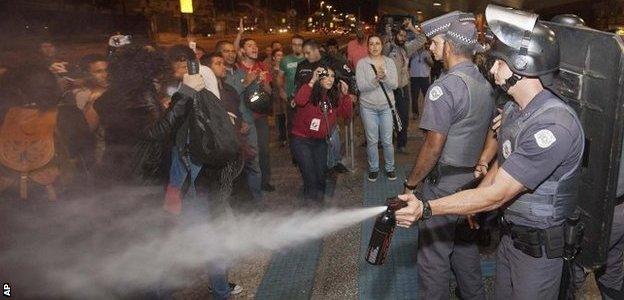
534, 179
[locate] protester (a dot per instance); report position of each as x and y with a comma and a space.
239, 80
279, 102
319, 103
420, 71
199, 52
375, 107
51, 135
202, 199
275, 45
357, 48
138, 127
314, 59
258, 81
399, 48
286, 80
334, 51
95, 67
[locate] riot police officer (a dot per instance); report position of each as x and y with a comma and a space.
457, 110
534, 179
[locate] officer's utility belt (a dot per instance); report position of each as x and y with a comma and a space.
442, 170
558, 241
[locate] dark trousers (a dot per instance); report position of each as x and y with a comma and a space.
262, 127
311, 157
401, 98
419, 85
280, 120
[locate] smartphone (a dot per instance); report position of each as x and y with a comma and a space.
193, 66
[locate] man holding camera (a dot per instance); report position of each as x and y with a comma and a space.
397, 47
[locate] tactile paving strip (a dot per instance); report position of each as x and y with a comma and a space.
397, 278
290, 274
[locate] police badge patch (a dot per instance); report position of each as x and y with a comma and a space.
435, 93
544, 138
506, 149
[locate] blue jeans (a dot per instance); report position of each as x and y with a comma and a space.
252, 167
334, 155
378, 127
195, 209
311, 157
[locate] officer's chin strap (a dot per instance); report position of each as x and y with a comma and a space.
511, 82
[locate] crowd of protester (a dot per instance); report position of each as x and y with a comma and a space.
124, 117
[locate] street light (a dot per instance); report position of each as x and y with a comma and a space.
322, 2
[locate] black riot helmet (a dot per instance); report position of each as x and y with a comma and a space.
529, 48
568, 19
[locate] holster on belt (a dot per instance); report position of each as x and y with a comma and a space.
555, 241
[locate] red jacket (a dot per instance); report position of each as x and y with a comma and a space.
309, 122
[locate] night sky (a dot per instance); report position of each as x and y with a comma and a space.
368, 8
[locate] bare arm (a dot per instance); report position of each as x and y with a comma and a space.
484, 198
427, 157
239, 36
489, 151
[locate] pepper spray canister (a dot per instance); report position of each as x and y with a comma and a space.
382, 232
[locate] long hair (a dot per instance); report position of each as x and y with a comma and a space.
30, 84
133, 70
319, 93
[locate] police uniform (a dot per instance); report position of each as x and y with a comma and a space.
459, 105
541, 147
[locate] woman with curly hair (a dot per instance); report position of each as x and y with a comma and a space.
138, 126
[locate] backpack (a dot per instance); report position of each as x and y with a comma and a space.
213, 139
27, 150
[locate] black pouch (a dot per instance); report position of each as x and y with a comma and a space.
463, 232
527, 240
434, 176
554, 241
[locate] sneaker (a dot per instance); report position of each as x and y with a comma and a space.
391, 175
340, 168
372, 176
235, 289
268, 188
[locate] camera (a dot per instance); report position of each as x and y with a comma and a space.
119, 40
193, 66
324, 73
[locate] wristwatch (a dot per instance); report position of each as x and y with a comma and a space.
426, 213
409, 187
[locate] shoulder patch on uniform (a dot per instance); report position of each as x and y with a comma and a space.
346, 68
544, 138
506, 149
435, 93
